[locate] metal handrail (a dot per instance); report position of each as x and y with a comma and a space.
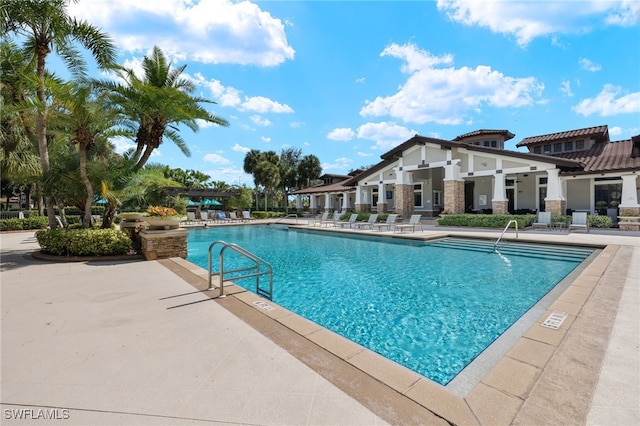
256, 269
291, 215
505, 230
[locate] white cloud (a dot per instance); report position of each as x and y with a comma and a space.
608, 103
231, 175
615, 131
565, 87
586, 64
363, 154
386, 135
263, 105
341, 134
220, 31
448, 95
239, 148
361, 80
296, 124
266, 139
527, 20
216, 159
122, 144
259, 121
340, 164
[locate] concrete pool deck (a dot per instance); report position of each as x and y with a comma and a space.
140, 343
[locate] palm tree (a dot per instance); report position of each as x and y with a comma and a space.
84, 120
288, 165
251, 160
157, 103
46, 26
309, 169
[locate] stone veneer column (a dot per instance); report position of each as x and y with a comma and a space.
404, 200
500, 207
556, 207
164, 244
454, 196
629, 199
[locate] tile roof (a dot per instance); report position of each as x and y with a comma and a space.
600, 133
319, 189
507, 134
605, 157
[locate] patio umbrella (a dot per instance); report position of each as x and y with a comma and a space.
192, 203
210, 202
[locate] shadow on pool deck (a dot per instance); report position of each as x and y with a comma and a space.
130, 344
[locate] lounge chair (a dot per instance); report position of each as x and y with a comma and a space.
319, 219
234, 217
373, 217
544, 221
389, 224
333, 220
221, 217
191, 218
246, 215
414, 221
579, 220
204, 216
350, 223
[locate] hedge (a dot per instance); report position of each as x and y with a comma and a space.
32, 222
486, 220
84, 242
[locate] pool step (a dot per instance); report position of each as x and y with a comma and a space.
538, 251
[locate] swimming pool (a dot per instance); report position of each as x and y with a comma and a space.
430, 306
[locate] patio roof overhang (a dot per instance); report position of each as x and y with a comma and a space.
199, 192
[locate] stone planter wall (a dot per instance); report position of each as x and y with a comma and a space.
164, 244
629, 223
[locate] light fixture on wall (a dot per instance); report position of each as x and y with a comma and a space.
484, 164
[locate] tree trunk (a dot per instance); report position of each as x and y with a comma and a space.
109, 215
86, 220
41, 126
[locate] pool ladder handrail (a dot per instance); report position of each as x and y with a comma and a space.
495, 245
289, 216
255, 268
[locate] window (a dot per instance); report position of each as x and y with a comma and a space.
568, 146
547, 149
580, 144
557, 147
537, 149
417, 195
437, 198
374, 196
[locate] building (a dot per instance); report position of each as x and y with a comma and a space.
576, 170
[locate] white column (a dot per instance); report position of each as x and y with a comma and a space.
359, 195
299, 202
629, 192
554, 188
499, 191
327, 202
452, 170
382, 195
312, 201
345, 201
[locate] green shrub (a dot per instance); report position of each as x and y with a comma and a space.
32, 222
486, 220
566, 220
84, 242
599, 221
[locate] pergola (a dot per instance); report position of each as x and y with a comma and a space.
200, 193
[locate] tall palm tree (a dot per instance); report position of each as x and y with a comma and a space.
251, 160
84, 120
156, 103
46, 26
288, 165
309, 169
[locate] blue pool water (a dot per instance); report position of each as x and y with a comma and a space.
432, 307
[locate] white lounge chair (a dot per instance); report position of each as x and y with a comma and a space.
373, 217
350, 223
191, 218
579, 220
221, 217
234, 217
389, 224
319, 219
544, 221
204, 216
333, 220
414, 221
246, 215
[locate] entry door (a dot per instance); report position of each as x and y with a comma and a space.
468, 196
511, 196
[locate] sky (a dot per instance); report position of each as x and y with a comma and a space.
349, 80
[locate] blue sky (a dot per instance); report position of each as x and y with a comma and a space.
349, 80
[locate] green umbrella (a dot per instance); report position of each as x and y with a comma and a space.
210, 202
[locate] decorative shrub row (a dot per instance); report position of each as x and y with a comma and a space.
599, 221
84, 242
486, 220
33, 222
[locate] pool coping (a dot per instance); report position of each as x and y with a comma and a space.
534, 382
